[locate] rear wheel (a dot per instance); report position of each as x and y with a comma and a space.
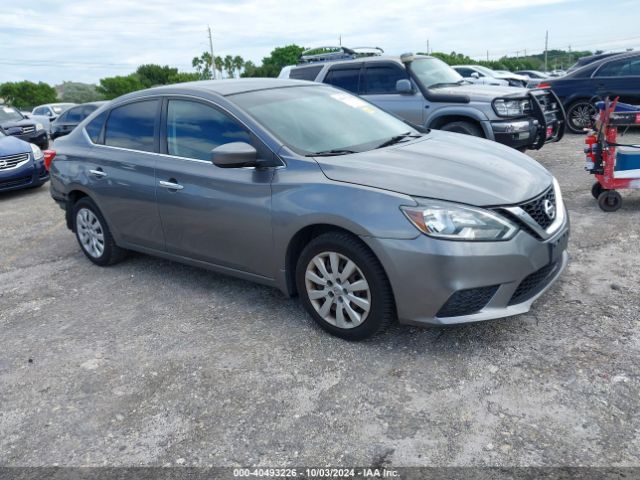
343, 287
580, 116
597, 189
610, 201
468, 128
93, 234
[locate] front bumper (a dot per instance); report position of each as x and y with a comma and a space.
545, 125
427, 274
39, 137
28, 175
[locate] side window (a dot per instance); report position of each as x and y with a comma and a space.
87, 110
465, 72
344, 78
613, 69
382, 79
132, 126
39, 111
74, 115
63, 118
305, 73
194, 129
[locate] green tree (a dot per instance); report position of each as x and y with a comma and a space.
151, 75
112, 87
202, 64
219, 64
181, 77
27, 94
238, 64
228, 65
76, 92
279, 57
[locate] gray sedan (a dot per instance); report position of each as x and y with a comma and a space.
319, 193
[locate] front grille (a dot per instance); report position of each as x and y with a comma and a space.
536, 208
532, 284
11, 161
29, 129
16, 182
467, 302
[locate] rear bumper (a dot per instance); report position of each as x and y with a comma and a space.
29, 175
492, 279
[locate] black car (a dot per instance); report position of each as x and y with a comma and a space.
65, 123
616, 76
583, 61
14, 123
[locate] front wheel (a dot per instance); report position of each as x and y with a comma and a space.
580, 115
467, 128
93, 234
609, 201
596, 190
343, 287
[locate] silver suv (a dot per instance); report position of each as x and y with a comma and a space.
312, 190
429, 93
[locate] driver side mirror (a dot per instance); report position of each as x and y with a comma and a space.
475, 75
404, 86
234, 155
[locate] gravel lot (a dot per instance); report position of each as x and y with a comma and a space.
154, 363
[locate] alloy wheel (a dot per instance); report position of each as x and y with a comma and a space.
90, 232
338, 290
581, 116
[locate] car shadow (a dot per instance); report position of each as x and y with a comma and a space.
23, 192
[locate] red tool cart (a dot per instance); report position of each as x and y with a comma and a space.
616, 166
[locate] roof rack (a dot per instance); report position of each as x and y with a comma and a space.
332, 53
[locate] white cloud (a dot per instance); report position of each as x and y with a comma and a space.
87, 40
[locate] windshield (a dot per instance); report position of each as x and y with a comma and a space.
433, 73
485, 70
8, 114
320, 119
61, 108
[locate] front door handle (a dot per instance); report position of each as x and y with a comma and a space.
98, 173
171, 185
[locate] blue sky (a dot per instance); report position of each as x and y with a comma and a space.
52, 41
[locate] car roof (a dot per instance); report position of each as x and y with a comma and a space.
223, 87
593, 66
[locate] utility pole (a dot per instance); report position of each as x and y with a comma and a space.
213, 59
546, 47
340, 40
427, 46
487, 55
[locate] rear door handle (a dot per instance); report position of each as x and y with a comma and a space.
171, 185
98, 173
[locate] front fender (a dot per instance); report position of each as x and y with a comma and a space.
463, 112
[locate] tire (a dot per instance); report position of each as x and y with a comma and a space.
468, 128
374, 306
596, 190
609, 201
577, 113
93, 235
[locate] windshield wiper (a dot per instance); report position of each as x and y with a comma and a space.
398, 138
331, 153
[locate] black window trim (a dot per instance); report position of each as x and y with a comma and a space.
363, 76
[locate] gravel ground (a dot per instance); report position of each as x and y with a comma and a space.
155, 363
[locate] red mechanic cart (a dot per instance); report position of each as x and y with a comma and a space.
615, 165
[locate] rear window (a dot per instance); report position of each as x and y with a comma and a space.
305, 73
132, 126
344, 78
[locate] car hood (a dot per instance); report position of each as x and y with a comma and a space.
12, 145
445, 166
515, 76
17, 123
483, 92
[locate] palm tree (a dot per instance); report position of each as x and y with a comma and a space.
219, 64
238, 63
228, 65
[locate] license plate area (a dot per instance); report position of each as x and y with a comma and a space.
557, 246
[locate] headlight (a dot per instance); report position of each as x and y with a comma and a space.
511, 108
457, 222
37, 153
39, 126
